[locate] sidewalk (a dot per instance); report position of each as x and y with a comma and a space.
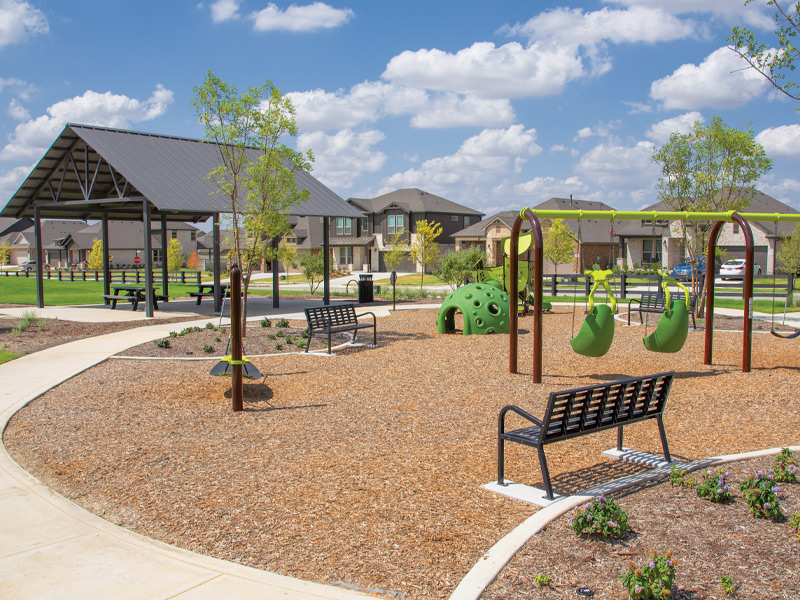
52, 548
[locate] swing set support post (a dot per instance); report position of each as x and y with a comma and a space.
513, 292
747, 336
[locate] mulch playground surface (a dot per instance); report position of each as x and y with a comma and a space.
365, 467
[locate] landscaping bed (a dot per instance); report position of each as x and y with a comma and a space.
366, 467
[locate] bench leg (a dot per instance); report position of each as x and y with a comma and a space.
113, 304
548, 487
662, 432
308, 343
500, 460
198, 300
374, 336
619, 438
329, 340
134, 305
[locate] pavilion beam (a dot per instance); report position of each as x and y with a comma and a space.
37, 235
106, 256
78, 176
53, 171
326, 261
148, 259
217, 269
164, 265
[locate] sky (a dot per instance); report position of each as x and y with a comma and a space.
494, 105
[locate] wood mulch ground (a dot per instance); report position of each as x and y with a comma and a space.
366, 467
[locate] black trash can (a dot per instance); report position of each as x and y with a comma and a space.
364, 288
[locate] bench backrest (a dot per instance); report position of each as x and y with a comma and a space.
323, 317
574, 412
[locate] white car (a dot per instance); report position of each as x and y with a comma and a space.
734, 269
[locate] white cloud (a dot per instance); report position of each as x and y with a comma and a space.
224, 10
18, 112
11, 180
660, 132
621, 167
781, 142
602, 129
343, 157
450, 110
19, 21
720, 81
638, 107
732, 12
543, 188
786, 190
485, 70
31, 138
309, 17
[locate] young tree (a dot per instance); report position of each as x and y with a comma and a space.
194, 261
175, 259
789, 253
5, 253
424, 250
559, 244
774, 65
455, 267
313, 267
397, 248
95, 260
256, 175
713, 168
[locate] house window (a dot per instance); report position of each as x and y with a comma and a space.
735, 228
365, 226
454, 218
466, 221
651, 251
156, 256
344, 226
193, 235
396, 223
345, 255
174, 235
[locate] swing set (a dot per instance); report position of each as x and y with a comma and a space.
597, 331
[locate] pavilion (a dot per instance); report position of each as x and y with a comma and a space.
102, 174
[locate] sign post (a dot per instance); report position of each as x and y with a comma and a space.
136, 260
393, 281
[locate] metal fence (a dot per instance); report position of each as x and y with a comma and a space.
121, 276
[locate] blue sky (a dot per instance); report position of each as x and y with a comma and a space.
494, 105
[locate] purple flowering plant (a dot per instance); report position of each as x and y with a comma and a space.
760, 491
786, 467
715, 486
652, 580
601, 516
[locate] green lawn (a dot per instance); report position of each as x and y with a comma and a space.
6, 356
14, 290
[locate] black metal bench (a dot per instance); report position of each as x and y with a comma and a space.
203, 294
337, 318
114, 298
655, 302
581, 411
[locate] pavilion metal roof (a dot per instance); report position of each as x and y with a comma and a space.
89, 170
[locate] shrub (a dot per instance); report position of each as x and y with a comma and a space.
279, 333
173, 334
164, 343
794, 523
278, 346
651, 581
300, 344
600, 516
210, 326
785, 467
761, 494
207, 348
681, 478
217, 339
271, 336
282, 323
728, 585
266, 322
542, 580
714, 487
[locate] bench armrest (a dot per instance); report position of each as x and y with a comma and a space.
501, 426
374, 319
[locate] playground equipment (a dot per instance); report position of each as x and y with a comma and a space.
673, 326
597, 332
225, 365
485, 309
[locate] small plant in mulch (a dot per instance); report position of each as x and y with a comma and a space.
794, 523
761, 494
542, 580
217, 339
651, 580
681, 478
266, 322
715, 487
188, 330
163, 343
210, 326
279, 333
305, 334
271, 336
728, 585
300, 344
281, 323
207, 348
278, 347
173, 334
601, 516
785, 467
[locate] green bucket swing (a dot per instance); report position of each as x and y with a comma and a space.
673, 326
597, 332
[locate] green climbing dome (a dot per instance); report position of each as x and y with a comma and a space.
483, 306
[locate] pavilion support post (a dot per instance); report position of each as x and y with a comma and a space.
37, 233
326, 259
276, 300
106, 256
148, 260
217, 278
164, 264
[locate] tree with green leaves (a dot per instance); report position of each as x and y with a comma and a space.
94, 262
175, 258
713, 168
312, 266
455, 267
789, 251
775, 65
424, 250
5, 253
396, 249
559, 243
256, 174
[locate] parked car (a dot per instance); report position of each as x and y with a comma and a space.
734, 269
684, 269
30, 265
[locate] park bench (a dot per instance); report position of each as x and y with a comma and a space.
582, 411
207, 290
114, 298
337, 318
655, 302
